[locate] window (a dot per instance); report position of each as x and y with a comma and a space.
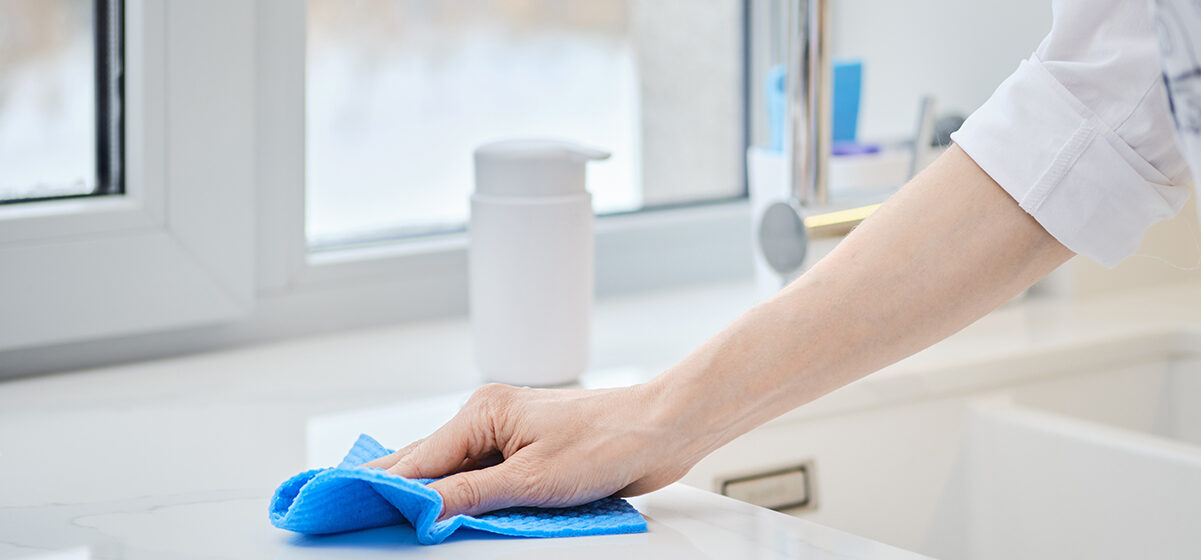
61, 130
243, 135
209, 244
171, 128
400, 92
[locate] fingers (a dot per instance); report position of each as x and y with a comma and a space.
480, 491
390, 459
385, 461
469, 435
442, 452
476, 463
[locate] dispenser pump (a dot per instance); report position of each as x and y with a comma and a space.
531, 261
532, 168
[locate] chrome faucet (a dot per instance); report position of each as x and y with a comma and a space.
783, 231
807, 142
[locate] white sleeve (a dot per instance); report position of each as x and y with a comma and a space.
1081, 135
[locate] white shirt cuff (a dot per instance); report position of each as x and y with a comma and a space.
1067, 168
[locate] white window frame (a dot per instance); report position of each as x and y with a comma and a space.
207, 247
150, 259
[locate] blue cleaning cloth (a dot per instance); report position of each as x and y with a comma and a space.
349, 497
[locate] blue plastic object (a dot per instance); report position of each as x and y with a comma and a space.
847, 78
349, 497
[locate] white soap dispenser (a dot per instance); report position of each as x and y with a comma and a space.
531, 261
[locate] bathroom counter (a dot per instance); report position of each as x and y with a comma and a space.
177, 458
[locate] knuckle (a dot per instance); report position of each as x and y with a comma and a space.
493, 397
466, 493
490, 392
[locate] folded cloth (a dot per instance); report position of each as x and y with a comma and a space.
350, 497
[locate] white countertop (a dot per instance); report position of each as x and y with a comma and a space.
177, 458
683, 522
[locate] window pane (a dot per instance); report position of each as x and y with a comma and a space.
400, 92
48, 145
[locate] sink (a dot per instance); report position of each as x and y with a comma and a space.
1088, 450
1095, 464
1160, 396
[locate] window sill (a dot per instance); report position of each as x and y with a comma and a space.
425, 279
634, 252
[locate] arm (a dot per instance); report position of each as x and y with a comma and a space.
944, 251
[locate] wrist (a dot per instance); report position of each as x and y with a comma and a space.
684, 417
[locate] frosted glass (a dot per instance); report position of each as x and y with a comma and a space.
400, 92
47, 99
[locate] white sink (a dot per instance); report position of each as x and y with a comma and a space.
1096, 464
1091, 450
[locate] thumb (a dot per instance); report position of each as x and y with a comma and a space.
480, 491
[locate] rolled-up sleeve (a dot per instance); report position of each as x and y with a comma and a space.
1081, 134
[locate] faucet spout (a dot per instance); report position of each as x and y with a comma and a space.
807, 141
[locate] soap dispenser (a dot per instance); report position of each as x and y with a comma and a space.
531, 261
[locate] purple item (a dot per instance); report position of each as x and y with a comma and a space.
853, 149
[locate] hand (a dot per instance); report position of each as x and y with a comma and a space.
512, 446
948, 248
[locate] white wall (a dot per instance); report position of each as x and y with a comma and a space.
957, 50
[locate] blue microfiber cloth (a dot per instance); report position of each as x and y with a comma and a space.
349, 497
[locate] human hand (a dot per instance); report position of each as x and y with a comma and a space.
512, 446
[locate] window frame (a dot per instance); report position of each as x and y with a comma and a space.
109, 55
150, 259
215, 214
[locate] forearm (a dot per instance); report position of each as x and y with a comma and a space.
944, 251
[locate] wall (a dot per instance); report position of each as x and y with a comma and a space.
957, 50
1170, 254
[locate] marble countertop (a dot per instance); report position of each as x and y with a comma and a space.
683, 523
177, 458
